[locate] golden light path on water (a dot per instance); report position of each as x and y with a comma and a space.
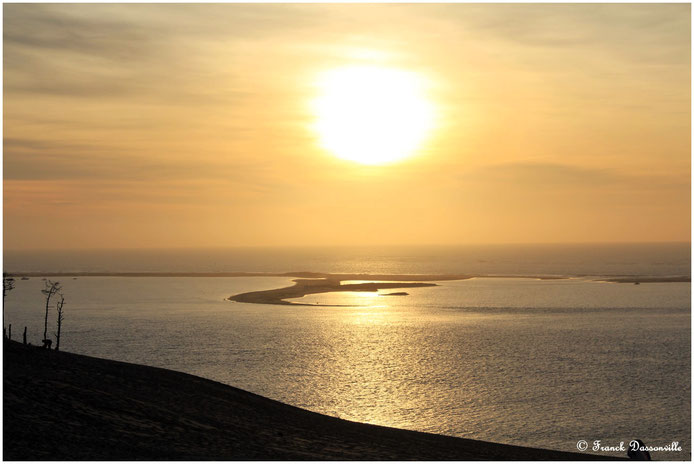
367, 313
372, 114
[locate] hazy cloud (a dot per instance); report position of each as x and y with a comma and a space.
559, 176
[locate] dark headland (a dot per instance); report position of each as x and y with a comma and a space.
63, 406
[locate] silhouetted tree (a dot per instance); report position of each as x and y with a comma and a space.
24, 337
51, 288
7, 285
10, 332
59, 308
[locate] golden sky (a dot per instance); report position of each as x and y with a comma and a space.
178, 125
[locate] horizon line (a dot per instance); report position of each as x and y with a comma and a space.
294, 246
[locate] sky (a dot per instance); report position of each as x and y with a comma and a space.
192, 125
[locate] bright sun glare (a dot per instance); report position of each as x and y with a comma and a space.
372, 115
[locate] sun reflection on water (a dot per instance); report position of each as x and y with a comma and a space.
358, 299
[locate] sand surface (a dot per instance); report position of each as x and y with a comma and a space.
62, 406
303, 287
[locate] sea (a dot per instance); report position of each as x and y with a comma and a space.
513, 359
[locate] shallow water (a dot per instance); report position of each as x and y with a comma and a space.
521, 361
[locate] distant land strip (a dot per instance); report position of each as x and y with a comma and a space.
337, 276
300, 274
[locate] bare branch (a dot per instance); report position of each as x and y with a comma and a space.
51, 288
61, 317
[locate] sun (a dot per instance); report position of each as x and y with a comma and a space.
372, 115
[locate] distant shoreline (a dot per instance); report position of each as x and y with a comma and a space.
299, 274
352, 276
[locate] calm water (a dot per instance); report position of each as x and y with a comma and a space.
521, 361
602, 260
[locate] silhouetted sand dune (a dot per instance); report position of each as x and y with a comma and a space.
62, 406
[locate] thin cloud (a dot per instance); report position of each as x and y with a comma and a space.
557, 175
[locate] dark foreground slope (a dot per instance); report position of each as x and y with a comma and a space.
61, 406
